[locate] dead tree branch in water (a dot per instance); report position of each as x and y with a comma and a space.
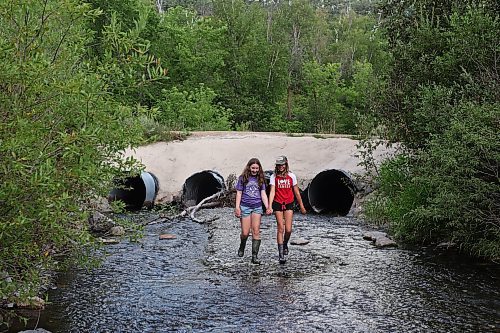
203, 204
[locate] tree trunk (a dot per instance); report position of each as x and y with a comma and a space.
289, 102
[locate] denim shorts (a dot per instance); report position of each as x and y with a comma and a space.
246, 211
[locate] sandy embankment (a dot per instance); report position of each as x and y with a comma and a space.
228, 152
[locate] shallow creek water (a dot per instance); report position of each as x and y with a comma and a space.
338, 282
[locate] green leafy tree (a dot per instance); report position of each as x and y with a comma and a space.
447, 44
366, 88
330, 105
127, 13
123, 59
193, 110
61, 139
357, 38
300, 27
450, 191
254, 62
323, 92
442, 103
191, 49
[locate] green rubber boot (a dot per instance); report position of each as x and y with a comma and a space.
241, 250
255, 251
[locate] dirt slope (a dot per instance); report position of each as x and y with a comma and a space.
228, 152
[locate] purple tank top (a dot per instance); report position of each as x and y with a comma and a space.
250, 196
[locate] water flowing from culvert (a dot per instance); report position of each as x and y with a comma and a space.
338, 282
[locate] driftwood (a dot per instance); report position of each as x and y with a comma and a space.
203, 204
225, 198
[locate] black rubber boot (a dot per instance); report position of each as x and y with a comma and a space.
241, 250
281, 255
285, 243
255, 251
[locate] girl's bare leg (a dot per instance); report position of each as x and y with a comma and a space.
288, 215
280, 226
279, 235
256, 218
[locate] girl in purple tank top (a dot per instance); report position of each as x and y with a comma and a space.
250, 195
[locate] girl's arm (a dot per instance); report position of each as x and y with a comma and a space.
299, 199
271, 198
237, 209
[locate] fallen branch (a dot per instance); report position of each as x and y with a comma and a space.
198, 206
202, 204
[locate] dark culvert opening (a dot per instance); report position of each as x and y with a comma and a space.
201, 185
267, 178
331, 192
135, 191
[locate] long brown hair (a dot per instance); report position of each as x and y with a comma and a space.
246, 174
285, 171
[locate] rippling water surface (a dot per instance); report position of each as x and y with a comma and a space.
338, 282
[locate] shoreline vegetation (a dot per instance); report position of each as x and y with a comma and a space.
83, 82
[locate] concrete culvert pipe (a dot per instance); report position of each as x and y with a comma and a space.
331, 191
136, 192
201, 185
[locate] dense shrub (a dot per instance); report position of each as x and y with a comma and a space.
442, 104
61, 139
451, 191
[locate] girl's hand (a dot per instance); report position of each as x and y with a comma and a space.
269, 211
303, 210
237, 212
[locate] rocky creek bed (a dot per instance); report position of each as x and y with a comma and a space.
337, 281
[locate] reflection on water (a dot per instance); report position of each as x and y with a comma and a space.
336, 283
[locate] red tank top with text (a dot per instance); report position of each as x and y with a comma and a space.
283, 187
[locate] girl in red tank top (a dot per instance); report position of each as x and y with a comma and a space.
283, 191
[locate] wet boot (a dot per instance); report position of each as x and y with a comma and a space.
285, 243
281, 255
255, 251
241, 250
